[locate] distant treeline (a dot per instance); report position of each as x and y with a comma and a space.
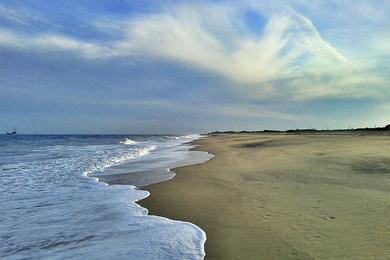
311, 130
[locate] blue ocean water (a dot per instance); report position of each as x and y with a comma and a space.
51, 207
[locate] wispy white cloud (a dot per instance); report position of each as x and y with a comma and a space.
55, 43
88, 49
19, 17
191, 35
289, 57
289, 49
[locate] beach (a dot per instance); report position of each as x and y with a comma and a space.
284, 196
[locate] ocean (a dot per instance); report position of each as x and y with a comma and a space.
53, 205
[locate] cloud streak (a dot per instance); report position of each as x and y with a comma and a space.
47, 42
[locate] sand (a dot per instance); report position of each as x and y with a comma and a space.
277, 196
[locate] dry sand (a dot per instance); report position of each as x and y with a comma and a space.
272, 196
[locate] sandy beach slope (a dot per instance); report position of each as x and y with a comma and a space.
275, 196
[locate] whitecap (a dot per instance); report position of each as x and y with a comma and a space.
128, 141
112, 160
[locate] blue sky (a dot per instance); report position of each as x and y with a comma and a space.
193, 66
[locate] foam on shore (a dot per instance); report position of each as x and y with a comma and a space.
51, 210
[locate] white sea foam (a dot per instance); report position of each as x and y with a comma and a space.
187, 137
128, 141
110, 160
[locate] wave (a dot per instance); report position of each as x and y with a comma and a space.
191, 136
128, 141
112, 160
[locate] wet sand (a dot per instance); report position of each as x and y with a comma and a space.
276, 196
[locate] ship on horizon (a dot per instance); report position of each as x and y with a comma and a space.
12, 133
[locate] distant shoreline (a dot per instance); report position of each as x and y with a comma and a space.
385, 129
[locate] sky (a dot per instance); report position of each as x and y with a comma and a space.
131, 66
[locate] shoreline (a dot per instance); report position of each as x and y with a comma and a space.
152, 174
140, 180
287, 196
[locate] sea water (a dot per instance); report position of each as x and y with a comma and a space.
51, 207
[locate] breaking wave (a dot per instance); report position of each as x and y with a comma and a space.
128, 141
110, 160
